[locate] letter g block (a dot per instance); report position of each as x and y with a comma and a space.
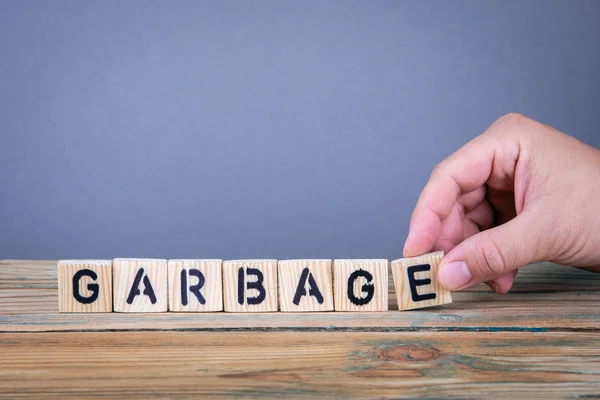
84, 286
360, 285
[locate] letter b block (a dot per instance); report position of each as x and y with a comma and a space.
360, 285
305, 285
84, 286
140, 285
416, 282
250, 285
195, 285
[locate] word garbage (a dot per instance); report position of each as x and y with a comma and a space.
157, 285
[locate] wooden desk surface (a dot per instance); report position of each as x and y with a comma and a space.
541, 340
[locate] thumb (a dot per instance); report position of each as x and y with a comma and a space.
493, 253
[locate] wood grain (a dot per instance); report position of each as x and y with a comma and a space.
541, 340
378, 270
290, 272
125, 271
400, 273
359, 365
268, 269
211, 290
99, 293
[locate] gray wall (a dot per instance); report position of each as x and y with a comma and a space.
263, 129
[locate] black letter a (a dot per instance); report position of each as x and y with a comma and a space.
135, 290
312, 291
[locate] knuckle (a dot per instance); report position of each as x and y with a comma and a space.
513, 118
517, 126
491, 261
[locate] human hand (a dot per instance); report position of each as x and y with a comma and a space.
520, 192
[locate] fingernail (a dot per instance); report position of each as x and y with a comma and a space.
454, 275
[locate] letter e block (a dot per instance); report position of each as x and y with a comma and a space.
195, 285
360, 285
416, 282
305, 285
84, 286
250, 285
140, 285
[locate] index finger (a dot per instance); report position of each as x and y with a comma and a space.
463, 172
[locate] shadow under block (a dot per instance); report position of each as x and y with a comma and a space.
140, 285
195, 285
250, 285
84, 286
360, 285
416, 284
305, 285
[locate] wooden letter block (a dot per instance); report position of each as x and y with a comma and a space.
416, 282
84, 286
250, 285
195, 285
360, 285
305, 285
140, 285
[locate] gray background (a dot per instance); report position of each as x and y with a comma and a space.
263, 129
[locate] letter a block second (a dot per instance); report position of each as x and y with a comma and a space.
250, 285
305, 285
84, 286
140, 285
415, 281
360, 285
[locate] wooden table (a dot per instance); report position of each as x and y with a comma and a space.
541, 340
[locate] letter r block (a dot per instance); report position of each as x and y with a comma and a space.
140, 285
305, 285
415, 281
84, 286
195, 285
250, 285
360, 285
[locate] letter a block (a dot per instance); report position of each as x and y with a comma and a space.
360, 285
250, 285
416, 282
140, 285
84, 286
305, 285
195, 285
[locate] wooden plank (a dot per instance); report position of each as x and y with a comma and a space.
542, 316
28, 274
299, 365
